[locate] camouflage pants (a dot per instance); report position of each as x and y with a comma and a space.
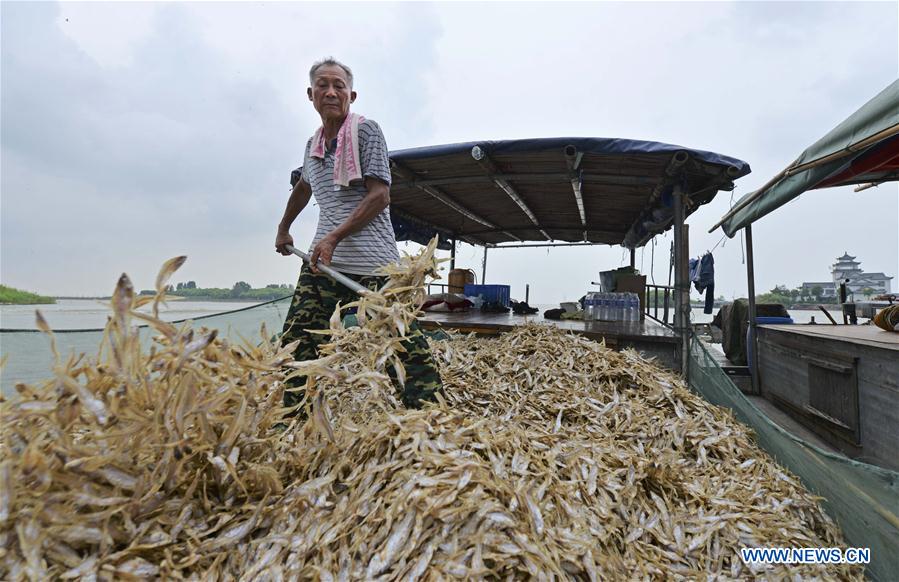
314, 301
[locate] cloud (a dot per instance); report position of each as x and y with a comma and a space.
743, 79
179, 146
125, 145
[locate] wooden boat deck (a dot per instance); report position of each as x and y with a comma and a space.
783, 419
865, 335
739, 375
647, 336
611, 331
839, 381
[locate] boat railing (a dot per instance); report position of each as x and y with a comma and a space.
442, 286
660, 298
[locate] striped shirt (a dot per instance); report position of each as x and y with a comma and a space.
374, 246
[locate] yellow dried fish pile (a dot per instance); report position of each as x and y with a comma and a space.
138, 464
664, 483
548, 456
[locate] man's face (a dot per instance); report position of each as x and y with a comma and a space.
330, 93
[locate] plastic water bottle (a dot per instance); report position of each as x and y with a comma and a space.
603, 307
588, 306
636, 312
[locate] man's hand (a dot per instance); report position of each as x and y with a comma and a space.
323, 252
281, 241
299, 197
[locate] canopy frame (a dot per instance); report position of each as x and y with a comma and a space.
485, 162
496, 192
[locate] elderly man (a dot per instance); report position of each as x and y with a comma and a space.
346, 168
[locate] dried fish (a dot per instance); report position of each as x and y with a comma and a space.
547, 456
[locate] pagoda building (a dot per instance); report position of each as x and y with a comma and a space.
858, 283
846, 267
848, 270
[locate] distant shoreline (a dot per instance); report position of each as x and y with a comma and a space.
181, 299
13, 296
802, 307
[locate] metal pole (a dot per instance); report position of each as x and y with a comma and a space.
336, 275
484, 267
843, 297
681, 282
453, 255
633, 258
527, 292
526, 246
684, 301
750, 282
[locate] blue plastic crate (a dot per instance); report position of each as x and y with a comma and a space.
489, 293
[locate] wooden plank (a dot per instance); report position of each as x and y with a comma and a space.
878, 395
869, 335
788, 423
612, 331
834, 394
847, 392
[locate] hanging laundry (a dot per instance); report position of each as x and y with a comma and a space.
702, 273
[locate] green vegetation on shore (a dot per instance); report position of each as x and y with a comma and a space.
10, 295
799, 298
240, 291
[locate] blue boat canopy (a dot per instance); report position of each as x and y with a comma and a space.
566, 189
863, 149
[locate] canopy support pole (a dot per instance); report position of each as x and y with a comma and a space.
483, 160
409, 175
681, 281
750, 282
453, 254
633, 258
573, 160
484, 267
539, 177
527, 246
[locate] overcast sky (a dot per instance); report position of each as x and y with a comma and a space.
132, 133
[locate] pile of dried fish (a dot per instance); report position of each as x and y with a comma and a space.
138, 464
548, 456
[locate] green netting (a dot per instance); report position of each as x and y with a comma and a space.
862, 498
30, 360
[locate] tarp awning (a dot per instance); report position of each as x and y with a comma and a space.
862, 149
594, 190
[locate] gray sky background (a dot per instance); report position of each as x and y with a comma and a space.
135, 132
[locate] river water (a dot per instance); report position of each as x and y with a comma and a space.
92, 313
28, 356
